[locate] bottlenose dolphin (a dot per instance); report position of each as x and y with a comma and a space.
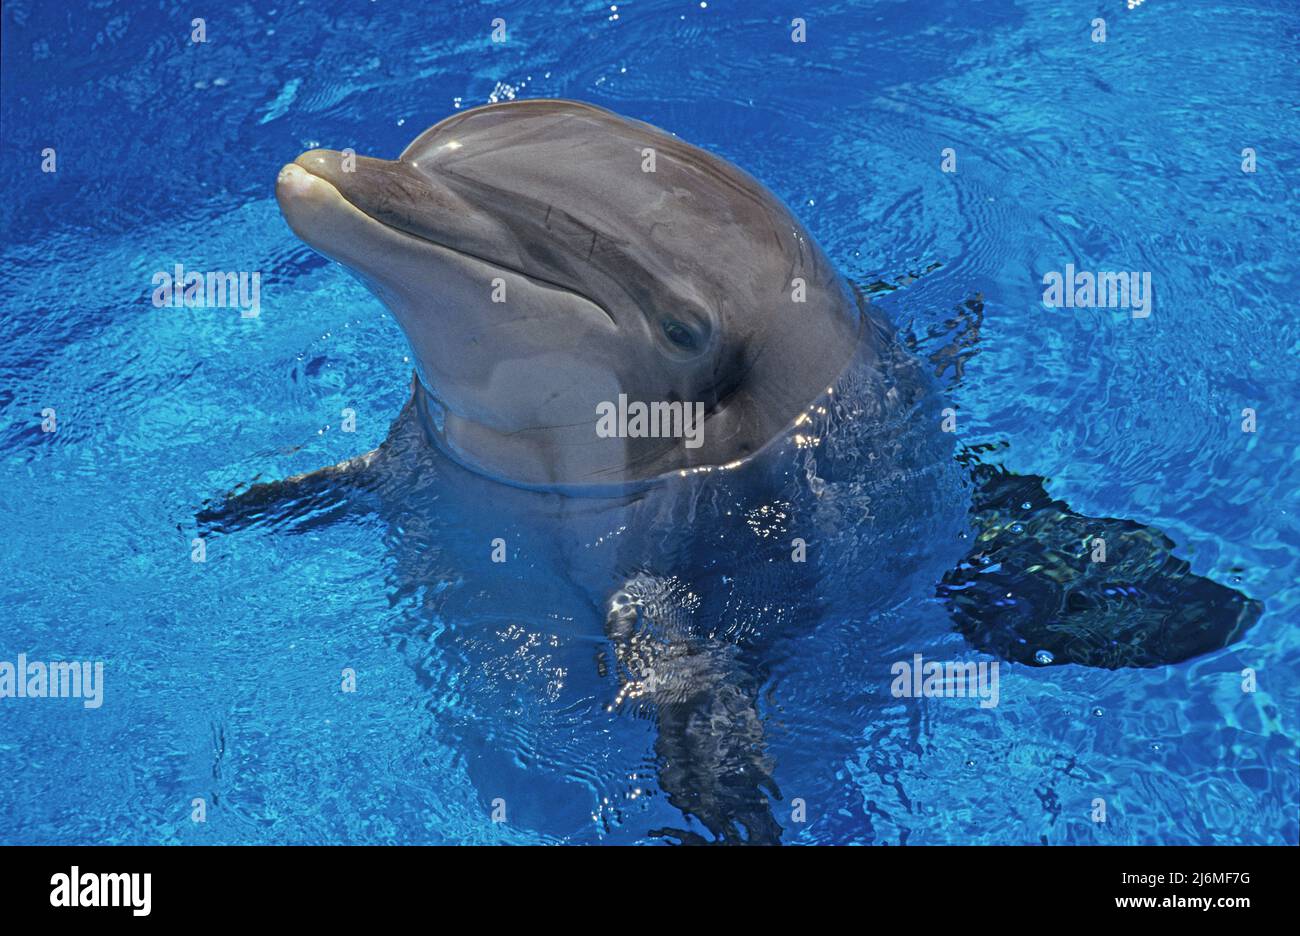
549, 262
622, 261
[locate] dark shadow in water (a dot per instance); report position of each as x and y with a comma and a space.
1045, 585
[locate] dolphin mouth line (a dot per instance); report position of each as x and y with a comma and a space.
459, 251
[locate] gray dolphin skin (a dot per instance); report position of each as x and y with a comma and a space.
548, 260
671, 286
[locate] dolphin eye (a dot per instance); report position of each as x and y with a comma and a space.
679, 334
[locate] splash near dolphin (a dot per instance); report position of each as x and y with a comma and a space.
554, 266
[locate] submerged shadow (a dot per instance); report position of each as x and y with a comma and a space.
1046, 585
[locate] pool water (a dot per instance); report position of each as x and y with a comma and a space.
223, 678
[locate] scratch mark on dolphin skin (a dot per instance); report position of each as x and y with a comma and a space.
571, 230
549, 428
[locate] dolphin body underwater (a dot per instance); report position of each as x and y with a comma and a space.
547, 258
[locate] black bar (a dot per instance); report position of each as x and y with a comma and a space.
334, 884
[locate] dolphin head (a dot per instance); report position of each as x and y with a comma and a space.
545, 257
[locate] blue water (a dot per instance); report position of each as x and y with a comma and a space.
222, 678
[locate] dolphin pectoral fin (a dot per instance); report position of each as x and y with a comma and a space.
301, 502
1046, 585
712, 762
329, 494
